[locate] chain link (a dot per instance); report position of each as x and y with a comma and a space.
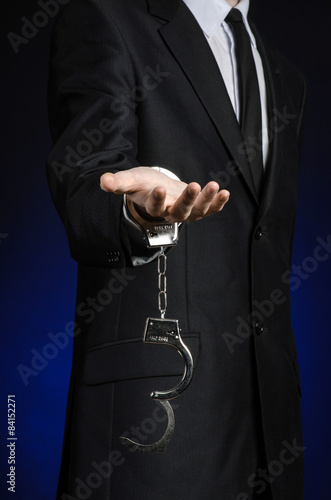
162, 282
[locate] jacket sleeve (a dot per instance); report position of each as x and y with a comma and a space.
93, 127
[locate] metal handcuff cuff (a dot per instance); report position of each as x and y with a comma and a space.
162, 330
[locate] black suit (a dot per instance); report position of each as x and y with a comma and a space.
147, 67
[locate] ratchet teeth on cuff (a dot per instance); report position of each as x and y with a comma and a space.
161, 445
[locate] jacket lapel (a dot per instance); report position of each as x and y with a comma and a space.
186, 41
272, 76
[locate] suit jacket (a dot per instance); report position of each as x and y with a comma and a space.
134, 82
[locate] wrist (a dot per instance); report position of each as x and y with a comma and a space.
157, 231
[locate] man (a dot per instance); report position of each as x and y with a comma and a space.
142, 83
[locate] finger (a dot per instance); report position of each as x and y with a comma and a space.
108, 182
182, 207
204, 200
120, 183
210, 201
217, 204
155, 203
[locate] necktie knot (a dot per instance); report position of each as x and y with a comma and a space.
234, 16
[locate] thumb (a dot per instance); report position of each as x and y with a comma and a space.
110, 183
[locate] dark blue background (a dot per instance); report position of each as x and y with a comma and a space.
38, 276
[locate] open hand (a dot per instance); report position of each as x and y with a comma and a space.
160, 196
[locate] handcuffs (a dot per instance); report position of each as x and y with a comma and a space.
161, 330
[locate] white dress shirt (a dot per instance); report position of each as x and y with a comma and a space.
210, 14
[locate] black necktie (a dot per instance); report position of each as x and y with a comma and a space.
250, 104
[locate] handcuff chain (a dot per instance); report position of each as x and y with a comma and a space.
162, 282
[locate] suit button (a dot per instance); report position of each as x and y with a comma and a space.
258, 233
259, 327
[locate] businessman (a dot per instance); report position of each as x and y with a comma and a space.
191, 89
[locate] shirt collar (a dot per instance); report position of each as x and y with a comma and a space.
211, 13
